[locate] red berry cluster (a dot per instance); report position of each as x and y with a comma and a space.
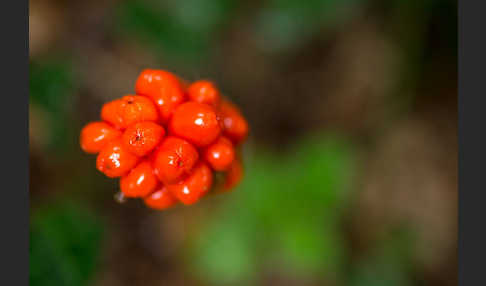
166, 141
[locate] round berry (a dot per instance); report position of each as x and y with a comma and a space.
204, 91
112, 112
114, 160
220, 154
163, 88
195, 122
95, 135
128, 110
174, 159
233, 175
161, 199
234, 124
196, 185
140, 182
142, 137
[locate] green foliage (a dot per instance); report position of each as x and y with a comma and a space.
204, 16
64, 245
50, 83
226, 253
284, 24
181, 30
388, 264
287, 210
51, 87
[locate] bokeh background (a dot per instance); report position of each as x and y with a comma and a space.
350, 167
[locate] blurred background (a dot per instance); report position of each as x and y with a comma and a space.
350, 167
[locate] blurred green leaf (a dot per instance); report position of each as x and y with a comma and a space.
323, 168
51, 87
180, 31
64, 245
285, 24
204, 16
287, 208
311, 248
388, 264
381, 272
226, 253
50, 83
158, 29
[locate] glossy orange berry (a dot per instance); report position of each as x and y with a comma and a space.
161, 199
220, 154
196, 185
195, 122
142, 137
204, 91
95, 135
140, 182
112, 112
128, 110
114, 160
234, 124
164, 88
233, 175
174, 159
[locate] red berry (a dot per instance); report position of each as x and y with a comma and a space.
160, 199
233, 175
220, 154
96, 135
163, 88
142, 137
196, 185
140, 182
114, 160
234, 124
204, 91
174, 159
195, 122
128, 110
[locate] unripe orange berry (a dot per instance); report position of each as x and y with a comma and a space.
174, 159
114, 160
220, 154
195, 122
234, 124
161, 199
196, 185
233, 175
142, 137
204, 91
140, 182
95, 135
128, 110
163, 88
